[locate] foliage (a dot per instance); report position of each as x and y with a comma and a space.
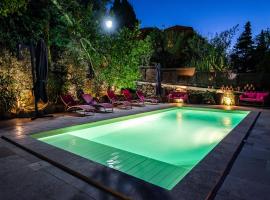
115, 58
59, 23
252, 55
9, 7
198, 50
261, 56
195, 97
110, 60
124, 14
209, 97
243, 51
211, 55
21, 27
169, 47
124, 52
174, 42
15, 82
198, 97
158, 42
264, 65
178, 49
51, 20
7, 94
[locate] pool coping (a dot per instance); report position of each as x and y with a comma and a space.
200, 183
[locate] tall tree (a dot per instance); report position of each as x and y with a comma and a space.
261, 47
262, 52
243, 51
129, 13
124, 13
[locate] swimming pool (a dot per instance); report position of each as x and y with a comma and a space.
159, 147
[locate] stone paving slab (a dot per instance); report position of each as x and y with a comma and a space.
244, 189
5, 152
251, 169
249, 177
20, 127
257, 153
23, 179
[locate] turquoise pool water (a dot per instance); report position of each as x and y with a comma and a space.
157, 147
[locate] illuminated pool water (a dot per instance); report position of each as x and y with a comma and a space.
159, 147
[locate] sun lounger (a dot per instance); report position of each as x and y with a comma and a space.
89, 100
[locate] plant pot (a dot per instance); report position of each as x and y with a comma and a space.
189, 71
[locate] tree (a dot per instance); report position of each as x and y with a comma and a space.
124, 13
158, 41
267, 35
243, 51
262, 52
71, 29
129, 14
261, 48
115, 58
210, 55
59, 23
9, 7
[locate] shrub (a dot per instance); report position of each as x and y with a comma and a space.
195, 97
7, 93
15, 82
209, 97
114, 59
200, 97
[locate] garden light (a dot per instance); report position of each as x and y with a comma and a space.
228, 99
179, 101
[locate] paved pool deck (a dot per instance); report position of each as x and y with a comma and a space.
25, 176
249, 177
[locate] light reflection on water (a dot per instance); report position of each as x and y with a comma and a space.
226, 121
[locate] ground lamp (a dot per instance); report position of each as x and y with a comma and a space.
228, 99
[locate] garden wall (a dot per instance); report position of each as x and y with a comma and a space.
261, 81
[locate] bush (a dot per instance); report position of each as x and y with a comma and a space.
7, 93
201, 97
209, 97
114, 59
15, 82
195, 97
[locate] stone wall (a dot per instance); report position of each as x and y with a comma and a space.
148, 89
206, 79
148, 74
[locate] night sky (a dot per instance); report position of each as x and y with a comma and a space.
205, 16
